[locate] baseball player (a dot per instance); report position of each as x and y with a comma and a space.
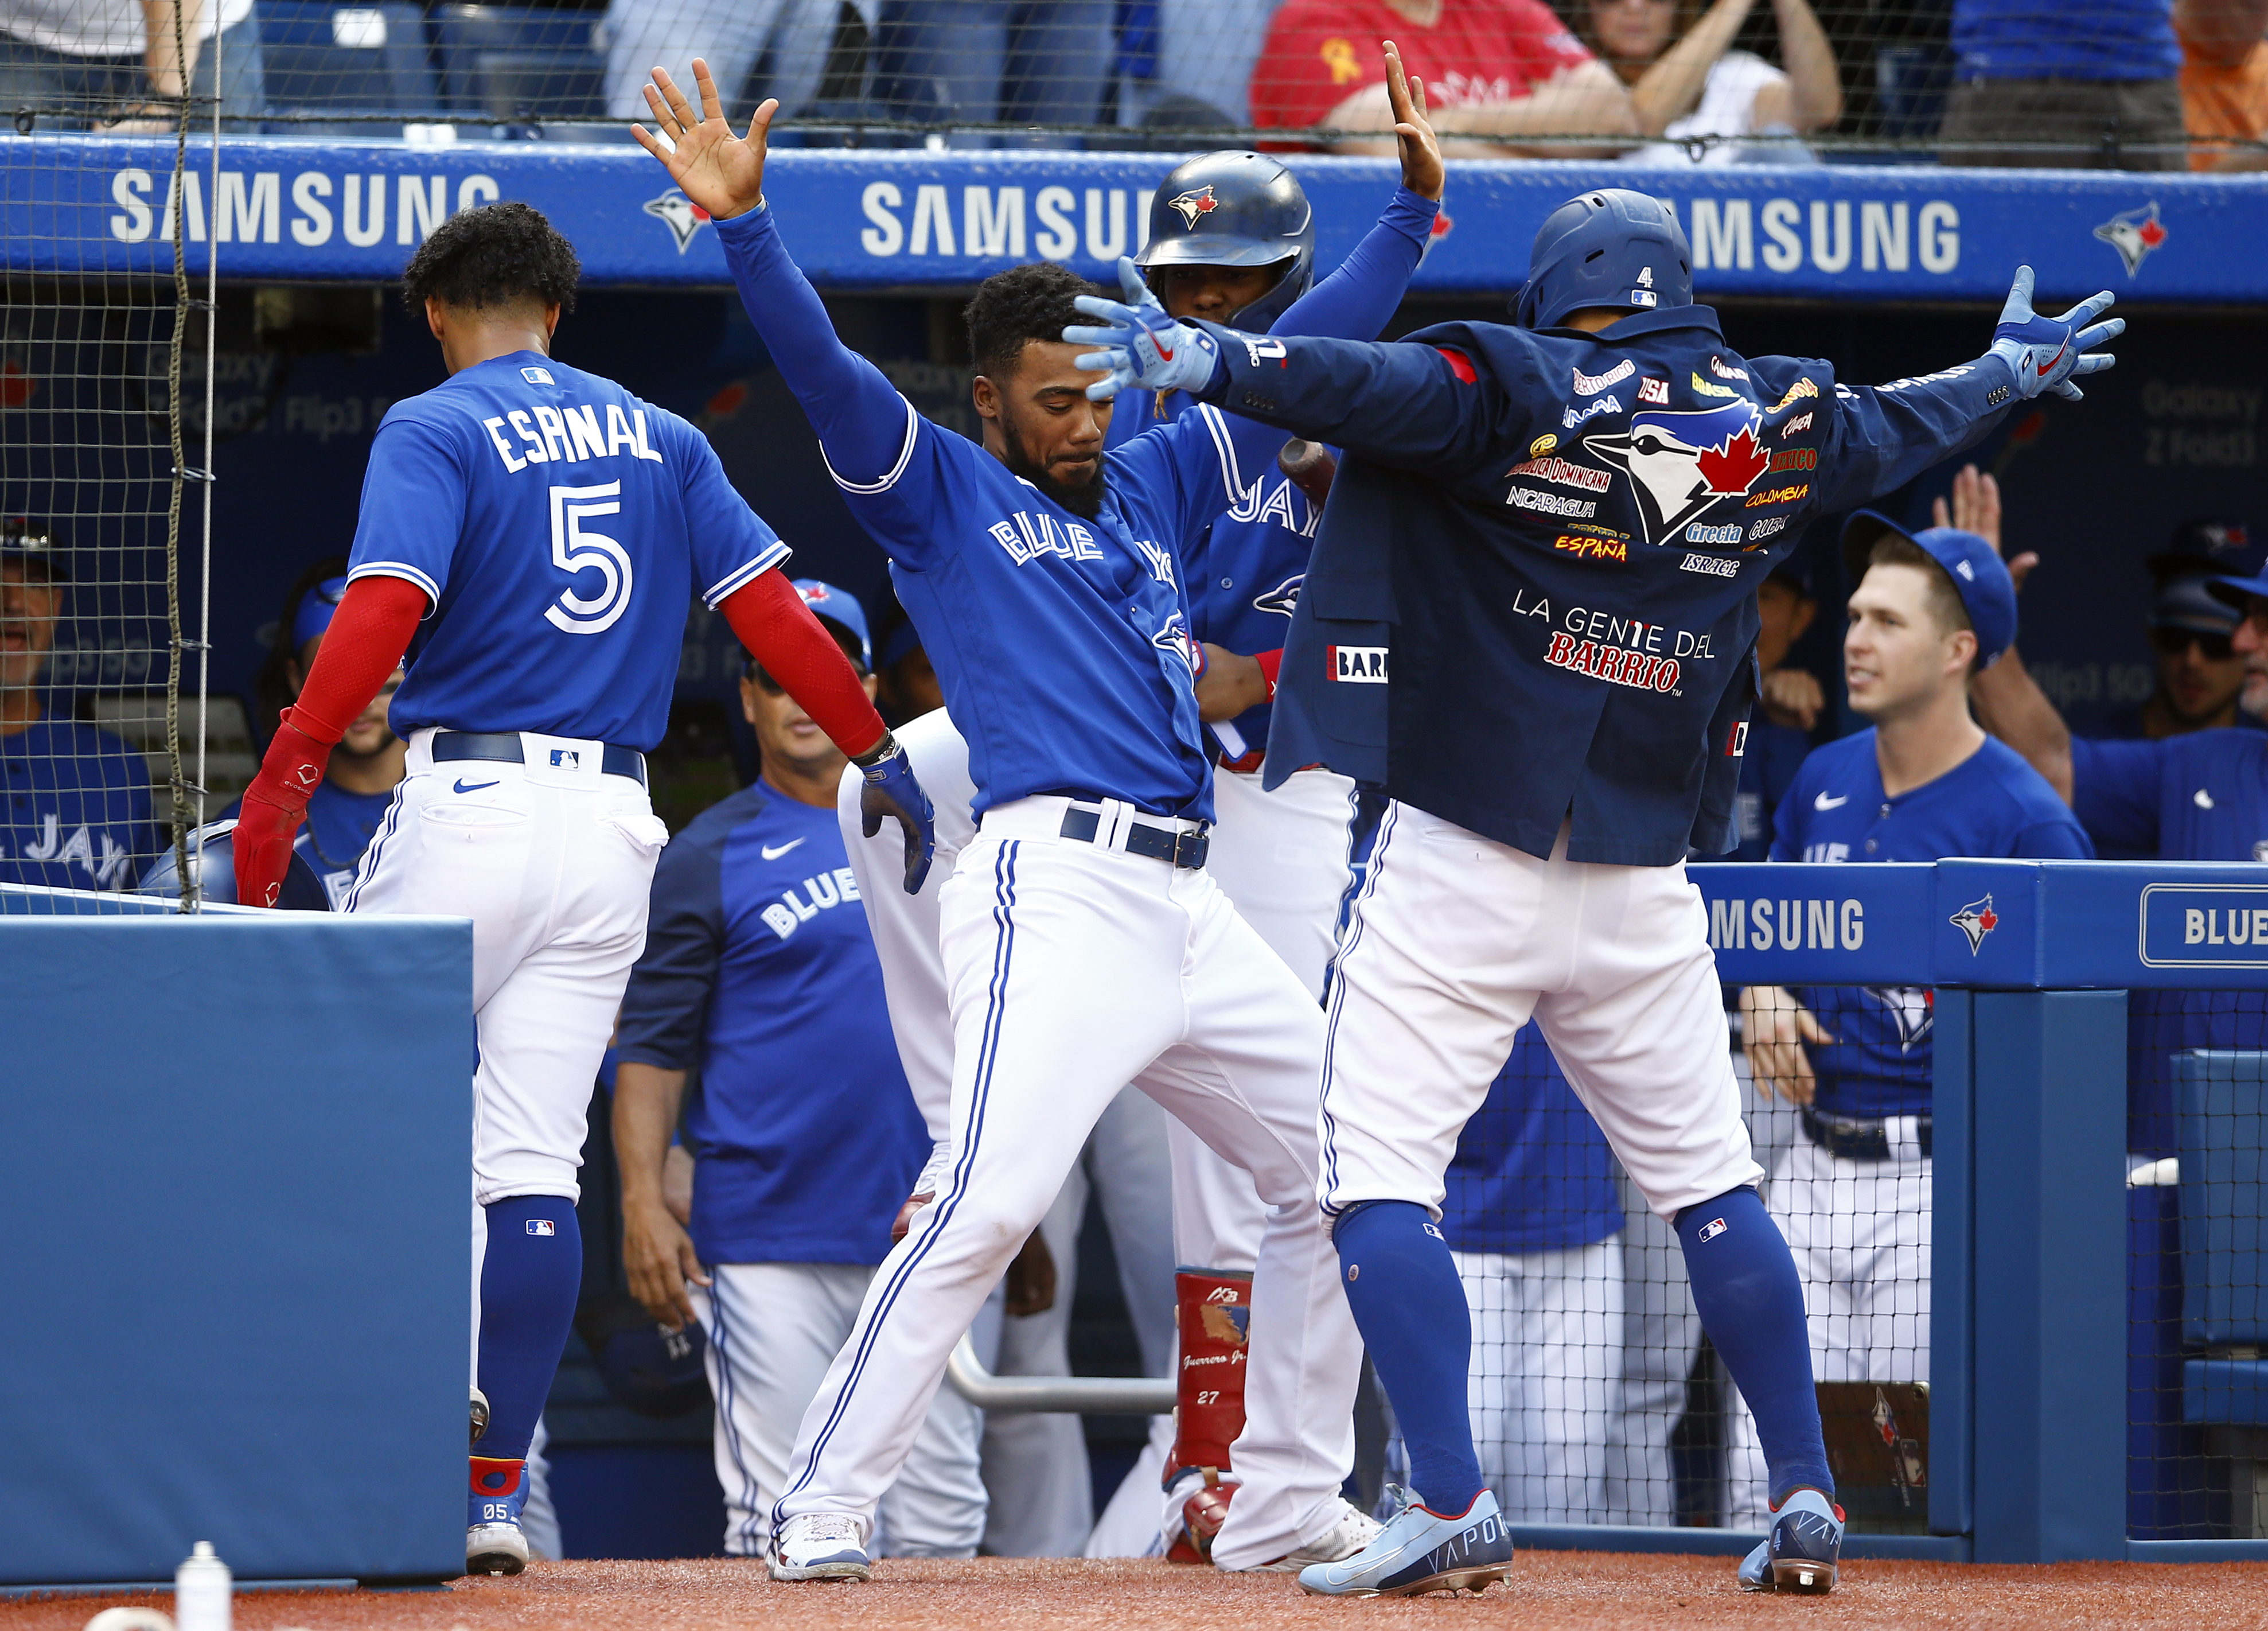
1789, 707
1532, 1215
1085, 946
74, 800
1529, 621
546, 529
344, 812
758, 972
1924, 783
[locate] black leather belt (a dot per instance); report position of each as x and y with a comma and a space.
1177, 844
504, 748
1858, 1139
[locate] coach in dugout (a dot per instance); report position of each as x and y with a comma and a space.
1923, 784
74, 800
759, 973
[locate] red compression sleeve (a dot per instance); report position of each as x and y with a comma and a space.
361, 650
1271, 664
781, 633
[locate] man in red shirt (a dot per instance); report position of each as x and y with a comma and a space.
1495, 72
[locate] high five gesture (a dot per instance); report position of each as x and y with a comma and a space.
721, 172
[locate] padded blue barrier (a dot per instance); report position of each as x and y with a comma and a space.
234, 1170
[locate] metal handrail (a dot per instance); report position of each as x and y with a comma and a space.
1084, 1396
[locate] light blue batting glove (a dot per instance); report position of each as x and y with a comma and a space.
2048, 353
1141, 345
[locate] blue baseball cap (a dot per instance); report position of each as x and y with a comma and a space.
841, 608
316, 607
2213, 548
31, 542
1980, 576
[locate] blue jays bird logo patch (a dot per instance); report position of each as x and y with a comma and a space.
1680, 465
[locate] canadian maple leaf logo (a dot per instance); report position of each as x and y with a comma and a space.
1734, 467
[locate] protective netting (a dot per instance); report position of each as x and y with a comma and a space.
2128, 84
103, 514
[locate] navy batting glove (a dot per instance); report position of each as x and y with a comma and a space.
892, 790
2047, 352
1141, 345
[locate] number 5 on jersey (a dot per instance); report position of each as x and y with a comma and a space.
575, 552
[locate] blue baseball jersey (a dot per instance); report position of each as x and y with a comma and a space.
2200, 797
339, 827
759, 973
1244, 572
560, 527
1769, 759
1991, 806
74, 809
1061, 641
1533, 1171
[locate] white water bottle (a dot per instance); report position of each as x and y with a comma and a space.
202, 1588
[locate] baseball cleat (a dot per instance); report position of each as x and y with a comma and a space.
480, 1414
1421, 1551
494, 1548
820, 1546
1348, 1534
1802, 1553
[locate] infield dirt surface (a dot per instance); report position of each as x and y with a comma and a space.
1557, 1590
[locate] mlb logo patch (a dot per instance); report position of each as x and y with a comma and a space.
566, 759
540, 1226
1709, 1230
536, 376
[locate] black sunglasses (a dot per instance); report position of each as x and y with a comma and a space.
2174, 642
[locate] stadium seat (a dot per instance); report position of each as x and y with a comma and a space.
2224, 1186
323, 58
520, 63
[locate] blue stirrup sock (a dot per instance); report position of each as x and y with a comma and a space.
530, 1279
1409, 1305
1750, 1301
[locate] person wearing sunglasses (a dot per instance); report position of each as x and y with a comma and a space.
2204, 682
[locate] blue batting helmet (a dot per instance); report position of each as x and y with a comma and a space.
302, 891
1611, 247
1235, 208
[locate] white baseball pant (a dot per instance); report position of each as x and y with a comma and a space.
772, 1329
1860, 1231
1454, 941
1073, 969
1544, 1376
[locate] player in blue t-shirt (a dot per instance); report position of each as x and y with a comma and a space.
74, 800
1532, 1212
1924, 783
759, 980
532, 535
1085, 946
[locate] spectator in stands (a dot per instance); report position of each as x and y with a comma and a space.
369, 761
815, 49
2069, 87
1688, 84
1923, 784
995, 62
1195, 70
74, 800
759, 973
1531, 1214
1495, 72
2224, 81
116, 65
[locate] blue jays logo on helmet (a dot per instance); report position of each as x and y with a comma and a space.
1283, 597
1681, 464
1190, 205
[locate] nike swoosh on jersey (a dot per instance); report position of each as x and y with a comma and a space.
1823, 803
475, 788
2204, 799
774, 854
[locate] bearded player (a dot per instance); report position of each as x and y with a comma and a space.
1530, 628
546, 529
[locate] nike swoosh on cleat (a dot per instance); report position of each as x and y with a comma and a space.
475, 788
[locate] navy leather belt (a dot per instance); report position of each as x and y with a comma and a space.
1179, 845
1858, 1139
505, 748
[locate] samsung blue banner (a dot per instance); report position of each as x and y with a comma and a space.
1991, 925
278, 208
